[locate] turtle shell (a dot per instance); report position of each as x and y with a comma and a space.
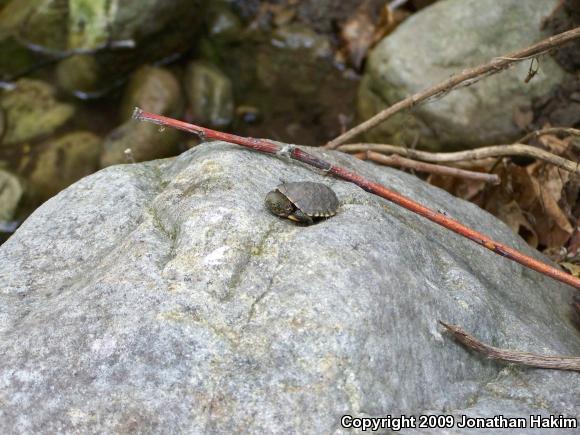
312, 199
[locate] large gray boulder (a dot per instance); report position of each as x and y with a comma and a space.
163, 297
442, 40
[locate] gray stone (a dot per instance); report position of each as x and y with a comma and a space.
443, 40
163, 297
91, 24
156, 90
60, 161
138, 142
31, 110
118, 35
10, 196
78, 75
210, 94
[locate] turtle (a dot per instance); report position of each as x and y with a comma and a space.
302, 201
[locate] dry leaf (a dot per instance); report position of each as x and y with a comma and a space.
573, 269
523, 117
469, 190
388, 21
513, 216
537, 190
554, 144
357, 34
459, 187
574, 244
363, 30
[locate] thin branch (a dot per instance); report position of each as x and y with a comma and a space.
396, 160
476, 154
513, 356
550, 130
296, 153
466, 77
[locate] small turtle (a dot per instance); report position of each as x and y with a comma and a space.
303, 201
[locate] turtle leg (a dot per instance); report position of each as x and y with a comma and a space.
299, 216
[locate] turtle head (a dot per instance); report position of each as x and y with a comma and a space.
279, 204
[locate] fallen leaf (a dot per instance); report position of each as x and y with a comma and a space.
574, 244
523, 117
512, 215
554, 144
357, 34
573, 269
551, 223
388, 21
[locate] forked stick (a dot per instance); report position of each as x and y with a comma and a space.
513, 356
296, 153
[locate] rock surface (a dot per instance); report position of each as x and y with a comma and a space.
443, 40
163, 297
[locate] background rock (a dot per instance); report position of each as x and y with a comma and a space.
164, 296
31, 110
442, 40
91, 24
10, 195
118, 36
156, 90
78, 75
138, 142
59, 162
210, 95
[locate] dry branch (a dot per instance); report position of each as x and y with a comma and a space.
396, 160
513, 356
550, 130
466, 77
296, 153
476, 154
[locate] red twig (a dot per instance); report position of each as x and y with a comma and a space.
296, 153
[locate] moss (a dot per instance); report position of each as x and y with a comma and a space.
88, 23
